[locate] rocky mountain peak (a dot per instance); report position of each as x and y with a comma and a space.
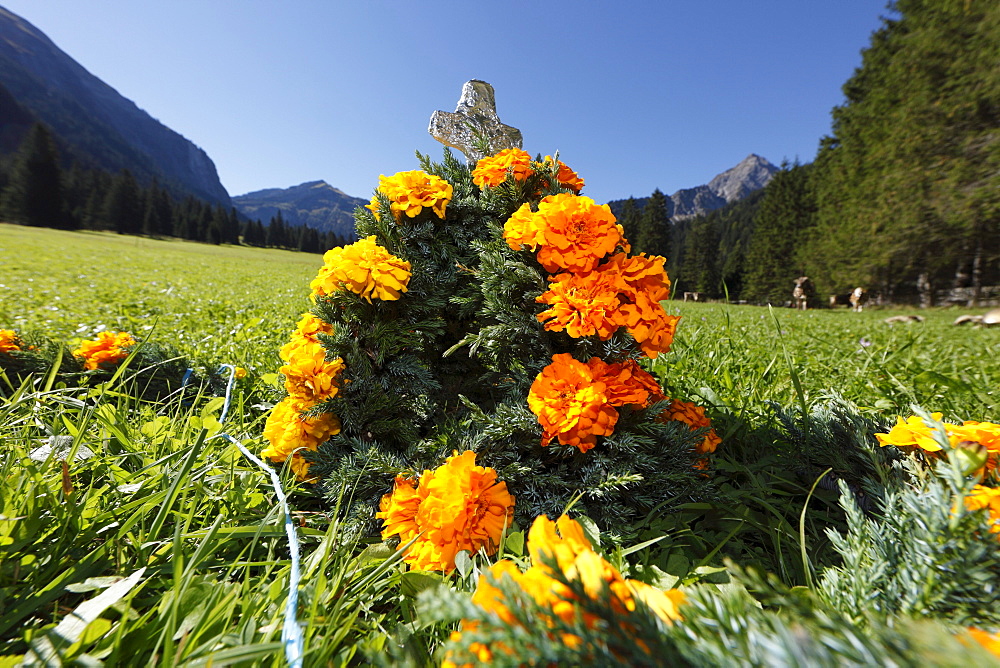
752, 173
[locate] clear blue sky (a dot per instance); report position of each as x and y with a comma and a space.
635, 95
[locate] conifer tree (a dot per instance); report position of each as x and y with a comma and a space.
34, 194
907, 183
654, 226
630, 219
701, 253
781, 227
123, 206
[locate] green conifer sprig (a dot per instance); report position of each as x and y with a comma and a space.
922, 555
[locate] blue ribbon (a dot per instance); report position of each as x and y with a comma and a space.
291, 632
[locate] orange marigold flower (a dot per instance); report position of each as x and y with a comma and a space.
651, 327
986, 434
644, 275
626, 382
571, 232
578, 233
571, 404
582, 305
107, 348
288, 431
364, 268
981, 497
411, 192
990, 641
398, 509
461, 507
693, 416
566, 176
494, 170
9, 341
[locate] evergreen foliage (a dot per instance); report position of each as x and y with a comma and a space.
907, 185
449, 366
33, 195
35, 190
781, 227
653, 234
701, 253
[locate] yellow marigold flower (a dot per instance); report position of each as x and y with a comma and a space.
308, 376
364, 268
693, 416
584, 304
524, 229
990, 641
411, 192
564, 543
288, 430
9, 341
460, 506
494, 170
912, 432
665, 604
571, 404
107, 348
310, 327
981, 497
374, 206
566, 176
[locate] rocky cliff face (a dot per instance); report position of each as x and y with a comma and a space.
315, 203
751, 174
103, 128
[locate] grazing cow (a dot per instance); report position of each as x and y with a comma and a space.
858, 298
840, 300
693, 296
801, 292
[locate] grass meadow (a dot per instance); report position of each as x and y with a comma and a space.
151, 540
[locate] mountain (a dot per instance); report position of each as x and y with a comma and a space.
99, 127
750, 175
316, 204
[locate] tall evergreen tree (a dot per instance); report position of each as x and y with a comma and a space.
653, 236
701, 256
630, 220
782, 225
34, 194
123, 205
908, 185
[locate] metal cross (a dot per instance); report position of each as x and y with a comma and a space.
474, 126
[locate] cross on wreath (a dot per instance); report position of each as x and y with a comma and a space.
474, 128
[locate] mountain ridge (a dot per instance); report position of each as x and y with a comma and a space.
747, 176
103, 128
314, 203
